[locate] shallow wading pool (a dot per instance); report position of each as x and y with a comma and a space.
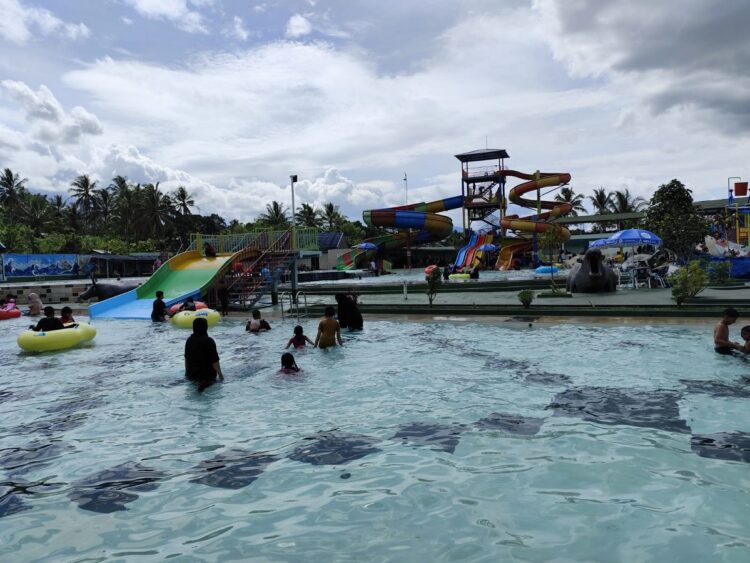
415, 442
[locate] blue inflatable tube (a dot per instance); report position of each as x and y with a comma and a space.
547, 270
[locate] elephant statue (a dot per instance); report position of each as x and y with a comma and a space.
591, 275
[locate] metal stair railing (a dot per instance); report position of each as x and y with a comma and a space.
294, 306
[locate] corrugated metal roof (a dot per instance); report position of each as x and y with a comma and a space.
482, 154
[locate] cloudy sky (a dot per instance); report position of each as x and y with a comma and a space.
229, 97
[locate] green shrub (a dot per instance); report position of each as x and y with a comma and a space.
688, 282
719, 272
526, 296
433, 279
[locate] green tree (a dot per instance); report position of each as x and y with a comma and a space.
104, 207
673, 216
275, 217
156, 211
434, 279
183, 201
552, 240
601, 202
567, 195
12, 189
624, 202
84, 192
37, 213
332, 217
308, 216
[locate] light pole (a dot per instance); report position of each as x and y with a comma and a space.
293, 179
408, 231
736, 210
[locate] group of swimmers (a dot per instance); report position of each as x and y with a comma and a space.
202, 363
722, 344
50, 322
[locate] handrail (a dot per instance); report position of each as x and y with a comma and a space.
303, 294
293, 303
305, 239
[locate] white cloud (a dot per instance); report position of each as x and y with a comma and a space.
20, 23
50, 122
297, 26
177, 11
238, 30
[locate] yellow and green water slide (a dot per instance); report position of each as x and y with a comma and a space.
187, 274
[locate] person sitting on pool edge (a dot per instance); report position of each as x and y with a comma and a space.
329, 331
49, 322
159, 308
745, 335
722, 344
66, 315
202, 365
256, 324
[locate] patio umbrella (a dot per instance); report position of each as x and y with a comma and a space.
633, 237
598, 243
367, 246
487, 248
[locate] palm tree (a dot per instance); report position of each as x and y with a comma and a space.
104, 205
119, 184
127, 201
601, 201
37, 213
84, 190
156, 210
275, 216
624, 202
567, 195
332, 217
183, 201
11, 191
308, 216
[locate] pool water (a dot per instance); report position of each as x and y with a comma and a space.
416, 441
417, 275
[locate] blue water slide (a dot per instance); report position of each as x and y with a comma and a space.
462, 252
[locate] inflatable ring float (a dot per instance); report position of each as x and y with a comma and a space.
459, 277
9, 314
185, 319
547, 270
41, 341
428, 270
174, 309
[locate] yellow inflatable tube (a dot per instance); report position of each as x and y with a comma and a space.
185, 319
31, 341
459, 277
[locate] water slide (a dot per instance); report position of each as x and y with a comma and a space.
421, 218
470, 255
184, 275
533, 223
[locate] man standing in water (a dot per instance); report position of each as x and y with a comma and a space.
159, 308
722, 344
201, 358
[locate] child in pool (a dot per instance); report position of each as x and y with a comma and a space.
299, 339
745, 334
66, 315
288, 365
329, 331
722, 344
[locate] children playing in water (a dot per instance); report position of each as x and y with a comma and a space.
299, 339
35, 305
329, 331
288, 365
66, 315
159, 308
256, 324
188, 305
722, 344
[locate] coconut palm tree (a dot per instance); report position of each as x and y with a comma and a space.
275, 216
183, 201
308, 216
567, 195
11, 191
624, 202
104, 206
126, 206
601, 201
332, 217
156, 210
84, 191
118, 184
37, 213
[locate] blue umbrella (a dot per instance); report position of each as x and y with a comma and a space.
633, 237
598, 243
487, 248
367, 246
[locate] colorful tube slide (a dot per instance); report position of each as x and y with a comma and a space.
470, 255
184, 275
533, 223
420, 223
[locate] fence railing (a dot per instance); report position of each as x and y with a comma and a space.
305, 239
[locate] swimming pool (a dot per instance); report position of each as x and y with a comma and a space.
417, 275
417, 441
